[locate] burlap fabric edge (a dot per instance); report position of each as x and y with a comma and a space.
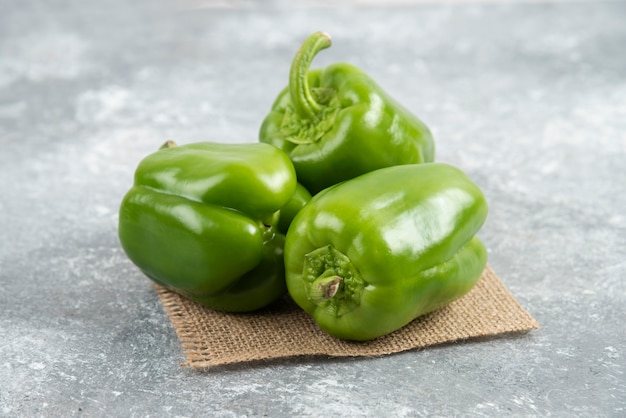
210, 338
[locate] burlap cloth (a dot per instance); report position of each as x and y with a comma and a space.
211, 338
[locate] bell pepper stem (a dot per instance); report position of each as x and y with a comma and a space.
304, 103
325, 288
168, 144
333, 282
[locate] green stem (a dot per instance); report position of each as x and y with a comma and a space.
301, 97
324, 288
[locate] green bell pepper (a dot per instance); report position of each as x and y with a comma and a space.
203, 220
300, 198
337, 123
369, 255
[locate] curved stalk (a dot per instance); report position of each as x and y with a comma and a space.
304, 103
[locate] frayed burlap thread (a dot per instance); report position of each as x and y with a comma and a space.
211, 338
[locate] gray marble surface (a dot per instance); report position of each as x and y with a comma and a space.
529, 98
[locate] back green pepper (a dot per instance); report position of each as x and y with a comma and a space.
300, 198
202, 219
337, 123
369, 255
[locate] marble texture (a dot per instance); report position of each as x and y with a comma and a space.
529, 98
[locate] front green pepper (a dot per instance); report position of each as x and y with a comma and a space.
369, 255
337, 123
202, 219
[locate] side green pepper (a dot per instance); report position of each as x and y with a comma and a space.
337, 123
369, 255
202, 219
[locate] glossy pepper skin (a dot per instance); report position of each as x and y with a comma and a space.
367, 256
336, 123
202, 219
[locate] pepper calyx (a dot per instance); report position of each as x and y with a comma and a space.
332, 282
304, 131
